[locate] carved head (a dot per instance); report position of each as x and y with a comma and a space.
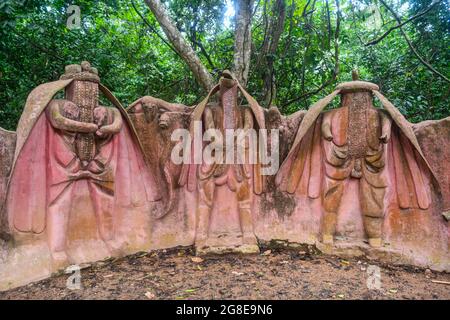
147, 108
356, 90
153, 112
227, 79
273, 116
228, 97
164, 119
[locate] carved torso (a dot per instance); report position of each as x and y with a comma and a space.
85, 95
227, 115
230, 114
356, 130
81, 143
357, 124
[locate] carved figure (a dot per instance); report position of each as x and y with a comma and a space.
356, 141
62, 143
219, 184
158, 119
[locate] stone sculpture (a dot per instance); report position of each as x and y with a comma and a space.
225, 189
81, 182
64, 145
159, 119
7, 146
355, 142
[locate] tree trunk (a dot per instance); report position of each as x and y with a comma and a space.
243, 40
336, 40
269, 50
180, 44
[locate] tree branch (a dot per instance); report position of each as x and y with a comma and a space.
413, 49
419, 15
335, 71
199, 44
268, 51
39, 47
310, 93
149, 25
180, 44
327, 5
336, 39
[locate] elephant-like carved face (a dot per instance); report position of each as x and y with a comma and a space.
161, 114
155, 112
163, 118
273, 117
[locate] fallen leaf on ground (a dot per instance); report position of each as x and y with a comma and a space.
237, 273
393, 290
341, 296
267, 252
150, 295
196, 259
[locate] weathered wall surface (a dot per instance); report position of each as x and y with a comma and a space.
295, 218
410, 234
434, 139
155, 121
7, 147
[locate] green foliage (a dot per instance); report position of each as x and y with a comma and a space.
134, 61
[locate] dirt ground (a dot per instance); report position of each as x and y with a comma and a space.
284, 274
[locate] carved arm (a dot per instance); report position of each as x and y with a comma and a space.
386, 125
61, 122
248, 119
115, 126
326, 127
248, 124
208, 119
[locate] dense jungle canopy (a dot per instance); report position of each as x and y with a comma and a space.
288, 53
